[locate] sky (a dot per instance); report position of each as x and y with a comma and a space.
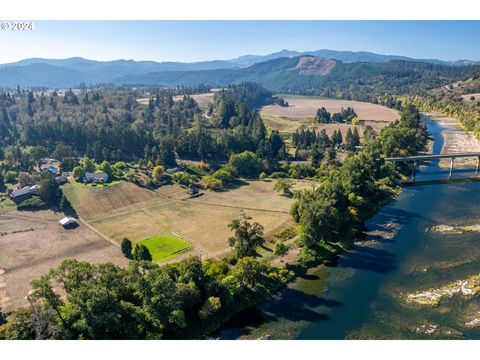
189, 41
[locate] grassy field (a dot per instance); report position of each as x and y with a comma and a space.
302, 111
164, 247
139, 214
306, 107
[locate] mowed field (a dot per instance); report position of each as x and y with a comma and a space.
31, 243
306, 107
202, 221
302, 111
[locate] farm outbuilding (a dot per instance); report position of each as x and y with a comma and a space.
68, 221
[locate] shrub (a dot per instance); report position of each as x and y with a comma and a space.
281, 249
31, 204
278, 175
212, 182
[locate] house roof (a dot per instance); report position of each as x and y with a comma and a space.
51, 168
20, 192
96, 175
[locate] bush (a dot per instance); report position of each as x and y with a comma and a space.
212, 182
278, 175
31, 204
281, 249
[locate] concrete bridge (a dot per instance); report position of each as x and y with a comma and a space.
415, 159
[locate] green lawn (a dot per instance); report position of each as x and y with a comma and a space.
164, 247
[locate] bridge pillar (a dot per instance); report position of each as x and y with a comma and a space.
414, 170
478, 164
451, 167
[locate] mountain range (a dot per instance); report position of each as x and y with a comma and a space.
57, 73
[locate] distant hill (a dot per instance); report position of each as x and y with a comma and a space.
281, 71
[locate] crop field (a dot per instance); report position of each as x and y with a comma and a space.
306, 107
202, 222
165, 246
302, 111
31, 243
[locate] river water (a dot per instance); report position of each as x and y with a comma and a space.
363, 296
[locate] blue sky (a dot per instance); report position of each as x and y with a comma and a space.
208, 40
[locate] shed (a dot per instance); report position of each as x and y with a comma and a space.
68, 222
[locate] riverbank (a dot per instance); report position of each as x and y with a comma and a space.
455, 139
363, 294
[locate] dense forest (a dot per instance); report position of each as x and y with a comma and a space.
110, 125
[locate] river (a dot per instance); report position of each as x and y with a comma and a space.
363, 295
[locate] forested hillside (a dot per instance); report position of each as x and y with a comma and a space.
110, 125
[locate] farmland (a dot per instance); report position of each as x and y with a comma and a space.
31, 243
302, 110
126, 210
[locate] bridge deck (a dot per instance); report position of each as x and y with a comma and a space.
431, 156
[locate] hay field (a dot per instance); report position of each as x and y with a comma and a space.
306, 107
31, 243
202, 222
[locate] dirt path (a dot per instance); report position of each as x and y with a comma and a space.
455, 140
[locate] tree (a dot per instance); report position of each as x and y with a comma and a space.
49, 191
284, 185
141, 252
247, 237
158, 172
68, 163
106, 168
88, 165
126, 247
246, 164
323, 116
77, 172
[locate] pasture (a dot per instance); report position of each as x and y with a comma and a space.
31, 243
302, 111
202, 222
306, 107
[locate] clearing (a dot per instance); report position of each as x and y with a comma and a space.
203, 100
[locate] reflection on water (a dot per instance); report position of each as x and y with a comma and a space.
361, 297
